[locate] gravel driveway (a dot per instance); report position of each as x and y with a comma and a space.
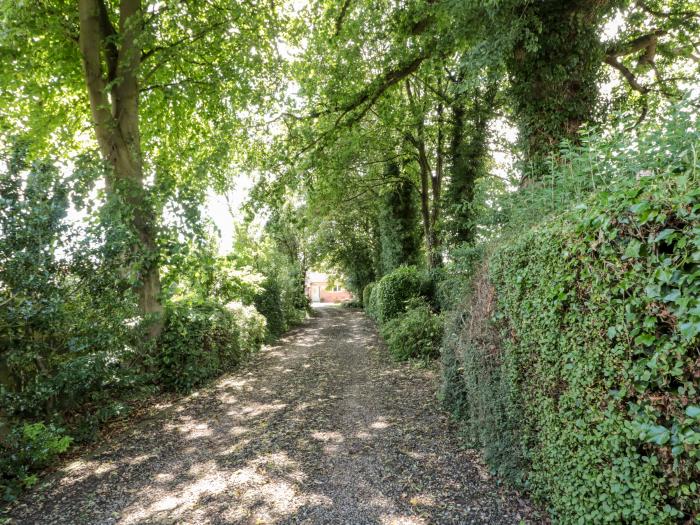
323, 427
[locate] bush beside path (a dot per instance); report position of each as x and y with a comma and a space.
323, 427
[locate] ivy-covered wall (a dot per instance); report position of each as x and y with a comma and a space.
576, 361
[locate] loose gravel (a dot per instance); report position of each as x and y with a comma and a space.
322, 428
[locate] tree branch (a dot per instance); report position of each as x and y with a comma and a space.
629, 76
637, 44
341, 18
666, 14
90, 42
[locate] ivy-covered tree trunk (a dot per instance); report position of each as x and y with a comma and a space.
468, 152
114, 107
398, 224
430, 181
554, 76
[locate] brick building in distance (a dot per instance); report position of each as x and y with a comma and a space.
319, 290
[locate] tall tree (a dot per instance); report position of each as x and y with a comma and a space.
165, 84
398, 223
468, 153
113, 91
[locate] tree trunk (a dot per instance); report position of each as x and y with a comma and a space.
116, 124
554, 85
468, 154
428, 180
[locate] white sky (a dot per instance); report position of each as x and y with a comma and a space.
225, 210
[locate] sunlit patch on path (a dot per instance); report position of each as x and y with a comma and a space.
321, 428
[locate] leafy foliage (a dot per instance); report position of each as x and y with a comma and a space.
583, 384
27, 449
269, 304
416, 334
393, 291
367, 297
200, 340
398, 226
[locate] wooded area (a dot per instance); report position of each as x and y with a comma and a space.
509, 187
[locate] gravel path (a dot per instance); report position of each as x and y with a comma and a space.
321, 428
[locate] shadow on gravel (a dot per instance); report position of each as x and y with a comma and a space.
321, 428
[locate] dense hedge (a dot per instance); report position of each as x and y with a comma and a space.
367, 295
282, 306
269, 303
400, 304
200, 340
584, 384
415, 334
394, 290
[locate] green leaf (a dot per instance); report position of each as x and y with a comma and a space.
693, 411
690, 329
632, 250
658, 435
645, 339
664, 234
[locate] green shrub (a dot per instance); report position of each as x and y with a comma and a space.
269, 304
251, 324
366, 296
415, 334
592, 389
27, 449
198, 341
393, 291
574, 360
450, 283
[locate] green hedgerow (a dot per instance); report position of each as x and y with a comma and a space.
199, 340
415, 334
394, 290
269, 303
595, 384
367, 296
574, 360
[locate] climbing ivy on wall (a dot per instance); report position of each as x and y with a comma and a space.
583, 385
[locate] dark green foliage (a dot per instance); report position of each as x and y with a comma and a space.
399, 230
27, 449
469, 155
450, 283
574, 361
269, 304
416, 334
350, 242
369, 300
201, 340
394, 290
554, 68
474, 387
366, 295
64, 339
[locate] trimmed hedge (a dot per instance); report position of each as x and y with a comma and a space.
393, 291
269, 303
575, 363
200, 340
416, 334
399, 305
367, 295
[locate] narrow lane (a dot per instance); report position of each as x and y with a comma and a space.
324, 427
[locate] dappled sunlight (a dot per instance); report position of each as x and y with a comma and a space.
315, 433
379, 424
257, 409
334, 437
401, 520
